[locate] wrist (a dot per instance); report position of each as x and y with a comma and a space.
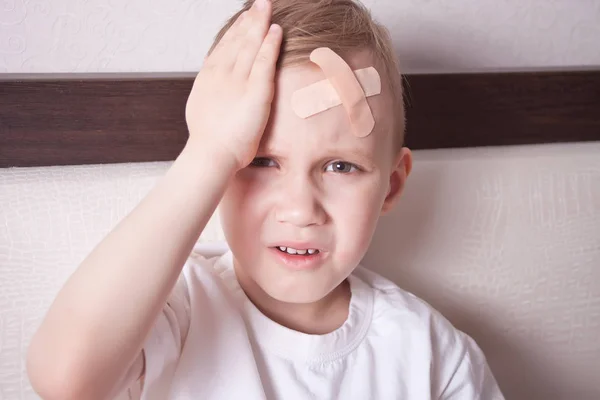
215, 160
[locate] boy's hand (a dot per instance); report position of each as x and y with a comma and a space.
230, 101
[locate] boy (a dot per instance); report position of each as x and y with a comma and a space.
284, 312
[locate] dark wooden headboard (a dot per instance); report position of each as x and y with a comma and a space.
92, 119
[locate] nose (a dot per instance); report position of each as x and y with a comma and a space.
299, 204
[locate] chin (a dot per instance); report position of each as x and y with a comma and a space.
300, 293
297, 296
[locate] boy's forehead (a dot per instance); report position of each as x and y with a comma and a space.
295, 77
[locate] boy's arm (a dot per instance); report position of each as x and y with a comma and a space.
94, 330
96, 325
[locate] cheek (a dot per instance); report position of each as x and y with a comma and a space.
355, 210
243, 204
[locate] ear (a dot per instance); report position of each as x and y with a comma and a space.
401, 169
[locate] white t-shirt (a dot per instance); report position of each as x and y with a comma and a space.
211, 342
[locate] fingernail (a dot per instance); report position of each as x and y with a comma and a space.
260, 4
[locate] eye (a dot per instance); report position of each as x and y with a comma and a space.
262, 162
341, 167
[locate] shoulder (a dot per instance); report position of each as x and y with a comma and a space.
164, 344
197, 274
398, 313
420, 333
401, 308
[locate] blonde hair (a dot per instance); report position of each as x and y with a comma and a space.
345, 26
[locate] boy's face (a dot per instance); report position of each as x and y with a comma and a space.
314, 185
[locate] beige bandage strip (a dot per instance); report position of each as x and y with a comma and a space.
342, 86
321, 96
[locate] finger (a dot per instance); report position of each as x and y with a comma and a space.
225, 52
255, 35
265, 62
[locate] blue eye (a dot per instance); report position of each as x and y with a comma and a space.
342, 167
262, 162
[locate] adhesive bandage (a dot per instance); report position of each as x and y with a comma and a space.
342, 86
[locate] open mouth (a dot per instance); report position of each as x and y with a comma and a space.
298, 252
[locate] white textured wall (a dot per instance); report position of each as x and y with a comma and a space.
173, 35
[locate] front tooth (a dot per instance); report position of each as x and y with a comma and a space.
312, 251
291, 251
301, 251
282, 248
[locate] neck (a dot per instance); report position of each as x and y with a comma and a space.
318, 318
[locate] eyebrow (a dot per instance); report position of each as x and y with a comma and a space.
358, 154
362, 157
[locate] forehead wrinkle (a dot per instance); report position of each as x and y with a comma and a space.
328, 128
319, 143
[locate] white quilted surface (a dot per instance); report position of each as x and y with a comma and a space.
505, 241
